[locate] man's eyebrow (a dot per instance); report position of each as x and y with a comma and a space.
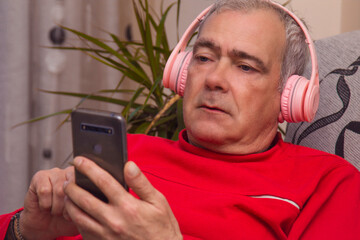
245, 55
207, 43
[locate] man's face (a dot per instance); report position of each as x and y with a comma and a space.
231, 99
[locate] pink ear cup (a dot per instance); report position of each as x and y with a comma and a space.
292, 99
311, 103
178, 73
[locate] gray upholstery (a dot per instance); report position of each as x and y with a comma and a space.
336, 127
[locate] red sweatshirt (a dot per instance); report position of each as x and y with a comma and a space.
287, 192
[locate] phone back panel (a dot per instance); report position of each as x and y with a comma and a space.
101, 137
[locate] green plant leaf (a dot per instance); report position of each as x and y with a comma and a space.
142, 127
66, 111
286, 3
179, 114
175, 136
148, 43
126, 110
93, 97
133, 113
139, 20
159, 99
178, 18
79, 49
126, 71
107, 48
128, 91
160, 32
126, 52
164, 120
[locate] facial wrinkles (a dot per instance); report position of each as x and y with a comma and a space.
206, 43
234, 54
215, 97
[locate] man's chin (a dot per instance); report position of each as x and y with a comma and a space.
205, 135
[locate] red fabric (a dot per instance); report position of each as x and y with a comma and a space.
258, 196
5, 221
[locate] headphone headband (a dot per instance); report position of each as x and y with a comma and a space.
314, 62
181, 46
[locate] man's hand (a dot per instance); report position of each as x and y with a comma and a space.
125, 216
42, 217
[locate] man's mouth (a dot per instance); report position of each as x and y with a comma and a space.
212, 108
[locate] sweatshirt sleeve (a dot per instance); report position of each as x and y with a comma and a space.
5, 221
333, 209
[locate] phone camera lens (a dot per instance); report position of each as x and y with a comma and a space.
97, 149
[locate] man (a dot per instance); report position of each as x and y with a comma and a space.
230, 175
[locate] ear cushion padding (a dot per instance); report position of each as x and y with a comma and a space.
292, 99
178, 73
311, 103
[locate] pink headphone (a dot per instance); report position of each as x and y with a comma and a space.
299, 99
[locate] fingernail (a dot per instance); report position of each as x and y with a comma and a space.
65, 184
133, 170
68, 176
78, 161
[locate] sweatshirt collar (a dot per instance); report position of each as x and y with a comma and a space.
185, 145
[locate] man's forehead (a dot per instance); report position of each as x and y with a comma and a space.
245, 29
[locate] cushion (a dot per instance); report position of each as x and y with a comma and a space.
336, 127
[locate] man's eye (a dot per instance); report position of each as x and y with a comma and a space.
245, 68
202, 59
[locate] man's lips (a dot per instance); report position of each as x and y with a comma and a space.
212, 108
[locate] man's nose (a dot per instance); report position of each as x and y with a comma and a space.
217, 78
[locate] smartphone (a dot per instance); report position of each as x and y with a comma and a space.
101, 137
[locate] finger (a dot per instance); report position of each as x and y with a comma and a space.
70, 174
57, 198
41, 190
111, 188
137, 181
85, 201
57, 181
65, 213
83, 221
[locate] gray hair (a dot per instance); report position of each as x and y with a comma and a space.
296, 52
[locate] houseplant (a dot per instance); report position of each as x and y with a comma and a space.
150, 109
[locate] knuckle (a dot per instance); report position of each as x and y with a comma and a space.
85, 203
59, 191
161, 198
46, 174
43, 191
38, 175
56, 169
131, 209
117, 227
79, 220
103, 180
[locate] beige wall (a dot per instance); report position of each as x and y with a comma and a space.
329, 17
350, 15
